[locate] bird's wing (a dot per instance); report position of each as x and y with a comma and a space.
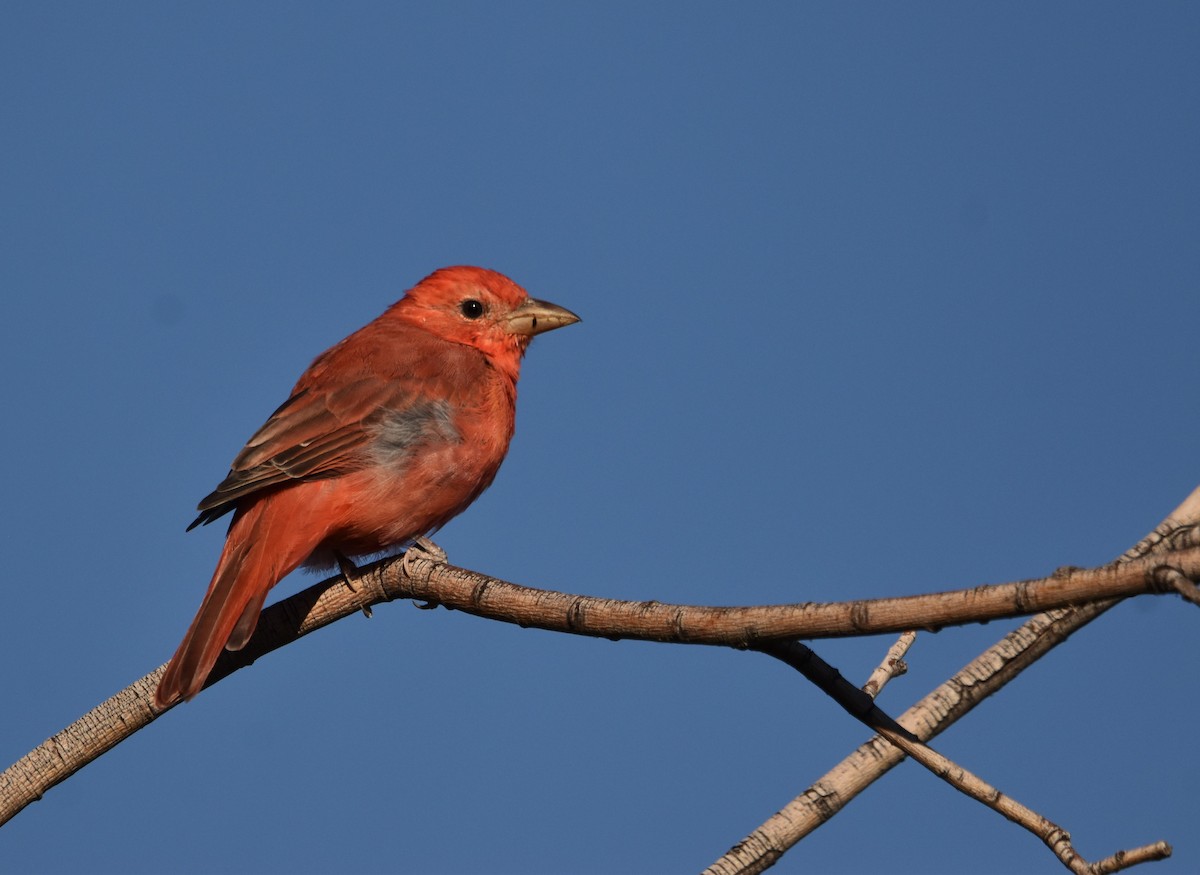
315, 434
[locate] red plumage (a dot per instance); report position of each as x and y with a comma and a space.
385, 437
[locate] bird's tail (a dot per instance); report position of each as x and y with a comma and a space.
258, 553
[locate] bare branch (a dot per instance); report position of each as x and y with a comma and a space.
932, 715
829, 680
744, 626
937, 711
892, 666
1171, 578
425, 580
1055, 837
1125, 859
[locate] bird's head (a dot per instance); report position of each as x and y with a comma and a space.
483, 309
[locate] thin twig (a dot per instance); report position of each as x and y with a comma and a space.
893, 664
829, 680
932, 715
1057, 839
943, 706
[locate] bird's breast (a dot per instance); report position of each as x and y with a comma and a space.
423, 463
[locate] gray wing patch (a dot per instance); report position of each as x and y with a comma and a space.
398, 433
341, 431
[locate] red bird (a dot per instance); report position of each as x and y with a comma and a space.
385, 437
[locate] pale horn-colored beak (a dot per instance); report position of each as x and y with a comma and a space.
535, 317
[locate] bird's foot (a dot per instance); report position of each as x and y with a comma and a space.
352, 575
432, 551
421, 548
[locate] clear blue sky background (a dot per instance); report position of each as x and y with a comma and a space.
877, 299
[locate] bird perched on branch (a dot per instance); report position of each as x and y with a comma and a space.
385, 437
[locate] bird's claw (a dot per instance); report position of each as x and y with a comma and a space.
351, 574
421, 548
432, 551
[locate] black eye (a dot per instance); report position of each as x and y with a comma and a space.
471, 308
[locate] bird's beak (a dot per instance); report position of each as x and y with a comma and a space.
534, 317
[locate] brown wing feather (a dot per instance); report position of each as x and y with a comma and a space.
309, 437
339, 403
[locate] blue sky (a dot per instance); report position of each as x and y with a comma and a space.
877, 299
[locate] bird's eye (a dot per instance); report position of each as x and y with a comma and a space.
471, 308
